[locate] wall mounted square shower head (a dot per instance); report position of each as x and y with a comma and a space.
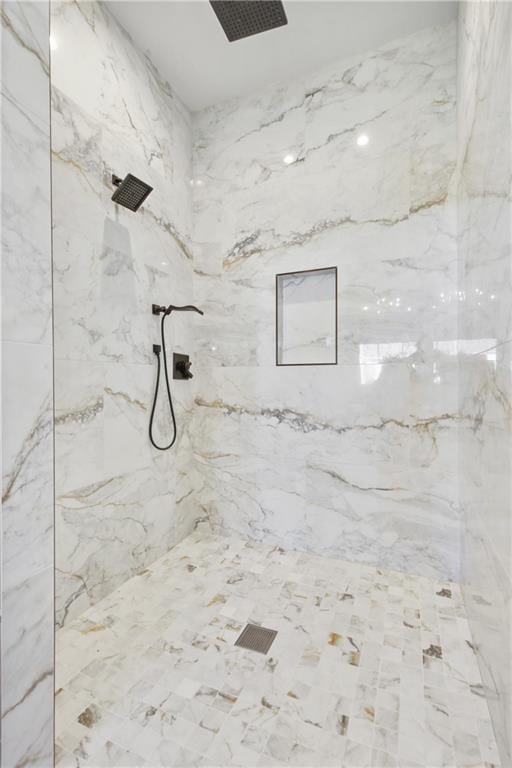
243, 18
131, 191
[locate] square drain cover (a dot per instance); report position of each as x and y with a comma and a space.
256, 638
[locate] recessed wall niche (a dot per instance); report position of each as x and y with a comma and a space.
307, 317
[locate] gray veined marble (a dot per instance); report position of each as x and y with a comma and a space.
27, 399
119, 506
383, 460
369, 666
485, 323
306, 317
358, 461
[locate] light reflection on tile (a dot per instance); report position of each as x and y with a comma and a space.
358, 460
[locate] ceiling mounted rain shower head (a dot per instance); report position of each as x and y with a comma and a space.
243, 18
131, 191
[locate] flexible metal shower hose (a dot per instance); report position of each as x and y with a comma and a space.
169, 395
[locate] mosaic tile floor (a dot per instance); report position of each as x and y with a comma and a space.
369, 667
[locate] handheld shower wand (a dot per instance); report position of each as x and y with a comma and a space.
165, 311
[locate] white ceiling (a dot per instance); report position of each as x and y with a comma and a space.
188, 46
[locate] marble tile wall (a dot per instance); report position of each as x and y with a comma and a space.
356, 461
27, 408
485, 330
120, 503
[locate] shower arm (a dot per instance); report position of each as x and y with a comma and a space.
157, 310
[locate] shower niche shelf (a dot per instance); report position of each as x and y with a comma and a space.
307, 317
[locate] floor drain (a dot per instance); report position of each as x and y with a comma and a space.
256, 638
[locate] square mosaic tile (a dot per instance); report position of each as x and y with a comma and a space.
369, 667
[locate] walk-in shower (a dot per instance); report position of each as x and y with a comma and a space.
298, 565
182, 367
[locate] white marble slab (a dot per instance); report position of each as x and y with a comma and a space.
26, 641
485, 323
120, 503
26, 268
306, 317
359, 461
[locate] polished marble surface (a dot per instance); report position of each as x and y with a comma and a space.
359, 460
306, 317
332, 462
485, 328
370, 667
382, 212
26, 643
120, 503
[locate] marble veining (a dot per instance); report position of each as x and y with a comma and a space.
120, 505
485, 341
357, 462
371, 462
370, 667
306, 317
26, 643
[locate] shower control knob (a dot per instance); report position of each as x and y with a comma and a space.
182, 367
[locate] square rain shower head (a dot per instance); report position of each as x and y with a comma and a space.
243, 18
131, 191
